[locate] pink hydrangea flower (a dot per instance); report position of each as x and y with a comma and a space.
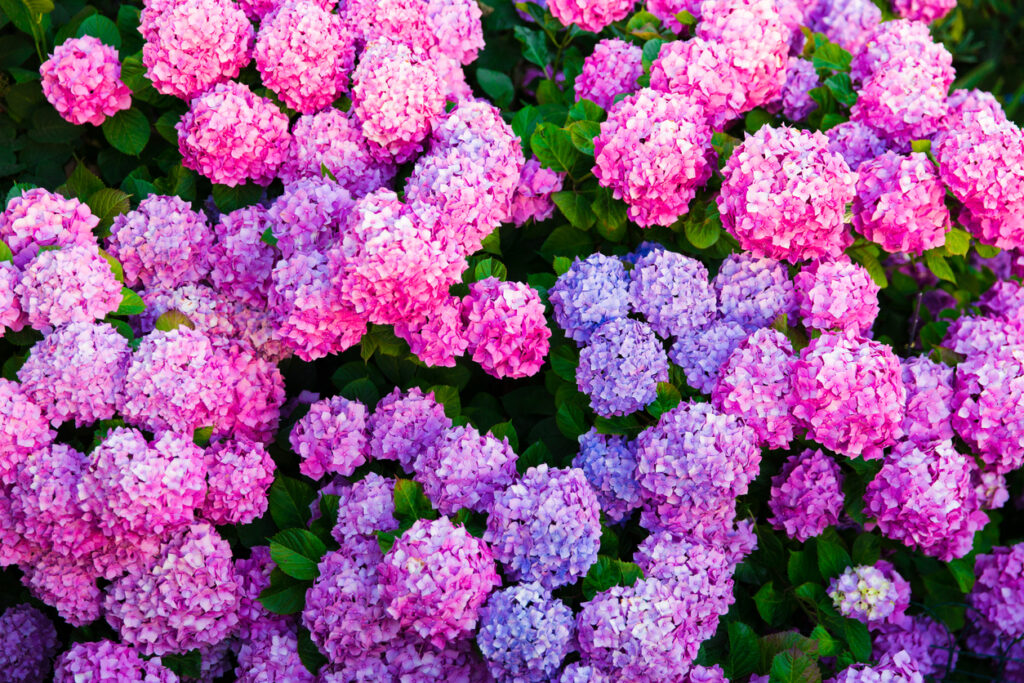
589, 15
925, 11
195, 44
930, 643
666, 10
364, 508
654, 152
271, 653
703, 70
71, 284
997, 593
807, 495
836, 295
238, 476
532, 199
23, 429
988, 406
611, 69
240, 261
440, 339
464, 469
304, 55
104, 660
784, 195
331, 437
82, 80
455, 24
39, 218
67, 587
230, 135
11, 315
929, 398
505, 327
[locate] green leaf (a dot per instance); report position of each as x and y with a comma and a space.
82, 183
201, 437
571, 420
608, 572
309, 655
561, 265
724, 144
650, 52
937, 264
668, 398
962, 570
867, 549
582, 134
289, 501
986, 250
297, 552
127, 131
575, 207
106, 204
802, 567
448, 396
497, 85
505, 430
165, 126
100, 27
566, 241
793, 666
5, 253
285, 594
585, 110
921, 146
386, 540
611, 215
842, 89
228, 198
771, 605
411, 503
831, 56
743, 649
131, 303
686, 19
535, 45
858, 639
958, 242
833, 558
489, 267
827, 645
172, 320
268, 237
703, 227
188, 665
536, 454
553, 148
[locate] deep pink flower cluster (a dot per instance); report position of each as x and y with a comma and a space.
702, 70
238, 476
105, 660
331, 437
611, 69
240, 261
836, 295
807, 495
929, 397
988, 405
505, 327
82, 80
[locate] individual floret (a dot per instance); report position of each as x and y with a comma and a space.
505, 327
68, 285
331, 437
612, 69
609, 463
672, 292
836, 295
589, 294
753, 291
621, 366
807, 495
464, 469
82, 80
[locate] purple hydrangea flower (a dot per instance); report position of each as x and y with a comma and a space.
621, 366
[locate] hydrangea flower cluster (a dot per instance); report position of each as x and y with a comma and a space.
836, 295
997, 591
82, 80
612, 69
331, 437
872, 594
807, 495
28, 643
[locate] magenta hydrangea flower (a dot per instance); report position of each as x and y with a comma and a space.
240, 261
900, 203
162, 243
613, 68
855, 142
398, 21
404, 425
848, 392
345, 608
702, 353
77, 372
649, 631
331, 437
252, 391
897, 668
505, 327
753, 291
965, 104
397, 98
68, 285
976, 335
68, 587
231, 135
238, 475
333, 139
589, 15
309, 215
836, 295
589, 294
928, 642
924, 496
23, 429
441, 338
609, 464
704, 565
185, 598
807, 495
435, 578
693, 464
532, 200
11, 315
702, 69
925, 11
796, 102
754, 383
525, 633
364, 508
873, 594
546, 527
621, 366
1004, 299
104, 660
666, 10
784, 195
997, 592
28, 642
654, 152
44, 505
929, 398
39, 218
195, 44
988, 406
464, 469
672, 292
82, 80
304, 55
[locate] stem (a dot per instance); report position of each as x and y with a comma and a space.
915, 320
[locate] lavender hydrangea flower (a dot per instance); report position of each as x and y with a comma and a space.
609, 463
331, 437
672, 292
464, 469
589, 294
621, 366
28, 642
702, 353
753, 291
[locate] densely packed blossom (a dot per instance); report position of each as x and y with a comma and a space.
703, 70
82, 80
525, 633
621, 366
238, 476
309, 215
231, 135
28, 642
11, 315
754, 383
532, 200
996, 595
271, 654
654, 152
900, 203
701, 354
104, 660
672, 292
365, 507
896, 668
23, 429
704, 568
785, 194
807, 495
753, 291
855, 142
873, 594
924, 496
609, 463
929, 395
846, 22
611, 69
796, 102
589, 15
928, 642
240, 261
37, 218
464, 469
331, 437
196, 44
988, 405
589, 294
435, 578
505, 327
67, 285
404, 425
836, 295
439, 340
848, 393
546, 526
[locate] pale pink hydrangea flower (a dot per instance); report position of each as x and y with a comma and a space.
39, 218
455, 24
82, 80
11, 315
703, 70
238, 476
71, 284
590, 15
836, 295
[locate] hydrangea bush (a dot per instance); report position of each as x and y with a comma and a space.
410, 341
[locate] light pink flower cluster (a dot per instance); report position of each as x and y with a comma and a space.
654, 152
807, 495
331, 437
67, 285
784, 195
532, 200
700, 69
836, 295
238, 476
611, 69
38, 218
82, 80
988, 406
589, 15
24, 429
506, 329
11, 315
439, 340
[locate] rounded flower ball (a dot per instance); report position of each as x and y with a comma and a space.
872, 594
807, 495
404, 425
702, 354
900, 203
546, 527
38, 218
196, 44
836, 295
753, 291
240, 261
82, 80
525, 633
231, 135
848, 393
304, 54
238, 476
988, 405
621, 366
589, 15
930, 643
997, 594
929, 398
654, 152
331, 437
24, 429
589, 294
672, 292
67, 285
532, 200
464, 469
785, 194
366, 507
104, 660
435, 578
855, 142
611, 69
704, 70
505, 327
28, 642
